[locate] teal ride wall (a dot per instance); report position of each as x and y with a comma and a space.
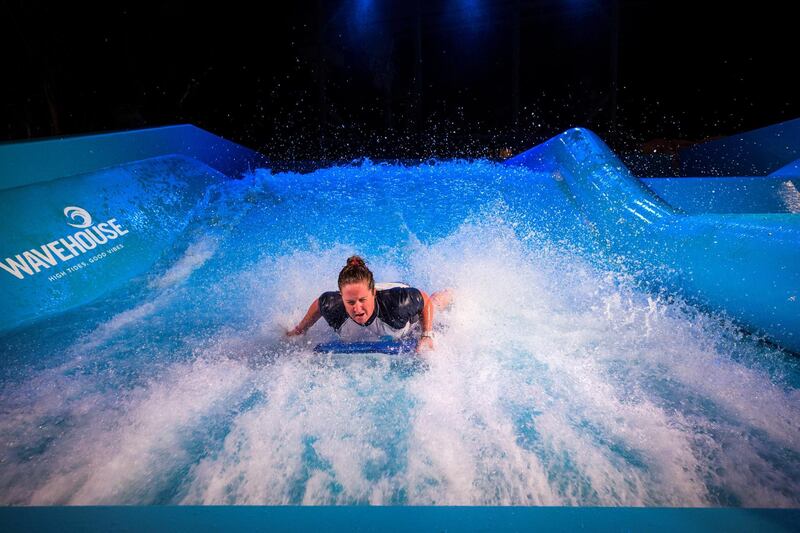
145, 183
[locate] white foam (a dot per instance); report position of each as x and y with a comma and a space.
123, 453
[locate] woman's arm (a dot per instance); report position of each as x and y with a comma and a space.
309, 320
426, 318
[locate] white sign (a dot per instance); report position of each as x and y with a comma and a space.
31, 262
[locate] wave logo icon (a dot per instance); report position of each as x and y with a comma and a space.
79, 214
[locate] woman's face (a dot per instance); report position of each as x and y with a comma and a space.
359, 301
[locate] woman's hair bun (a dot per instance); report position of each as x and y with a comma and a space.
356, 271
355, 260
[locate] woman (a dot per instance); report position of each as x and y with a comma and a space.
362, 311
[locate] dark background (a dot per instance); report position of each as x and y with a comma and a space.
340, 79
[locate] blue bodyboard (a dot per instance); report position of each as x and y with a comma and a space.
391, 347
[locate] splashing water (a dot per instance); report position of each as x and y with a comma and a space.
556, 379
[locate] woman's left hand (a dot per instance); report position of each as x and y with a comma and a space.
425, 344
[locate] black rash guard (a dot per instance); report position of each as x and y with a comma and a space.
396, 310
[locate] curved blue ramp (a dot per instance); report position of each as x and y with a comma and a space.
776, 193
753, 153
744, 265
790, 170
751, 172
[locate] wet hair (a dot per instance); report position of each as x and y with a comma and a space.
356, 271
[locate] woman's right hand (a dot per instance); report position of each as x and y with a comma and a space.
309, 320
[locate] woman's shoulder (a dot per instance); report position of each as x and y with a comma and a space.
402, 296
330, 299
398, 305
